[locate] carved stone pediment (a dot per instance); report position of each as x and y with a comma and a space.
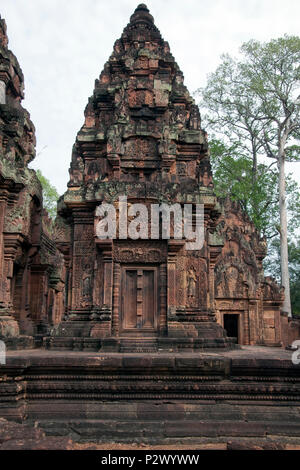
139, 252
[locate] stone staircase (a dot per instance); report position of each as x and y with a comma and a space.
136, 345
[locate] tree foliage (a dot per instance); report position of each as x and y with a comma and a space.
255, 100
233, 177
253, 104
273, 267
294, 259
50, 195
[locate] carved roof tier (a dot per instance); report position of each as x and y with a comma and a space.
141, 123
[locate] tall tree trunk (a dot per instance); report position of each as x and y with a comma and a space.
285, 279
254, 168
254, 162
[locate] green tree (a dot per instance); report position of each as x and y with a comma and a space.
233, 177
50, 195
233, 173
273, 266
259, 199
255, 103
294, 257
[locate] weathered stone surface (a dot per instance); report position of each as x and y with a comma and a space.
142, 139
13, 431
129, 323
15, 436
31, 268
252, 394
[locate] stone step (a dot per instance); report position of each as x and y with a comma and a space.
138, 344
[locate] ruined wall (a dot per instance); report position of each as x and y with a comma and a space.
31, 268
240, 286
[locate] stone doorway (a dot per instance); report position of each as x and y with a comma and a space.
231, 325
139, 301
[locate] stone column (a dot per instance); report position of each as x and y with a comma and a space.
163, 299
171, 281
3, 200
253, 324
246, 325
108, 273
106, 247
9, 327
277, 323
174, 246
83, 257
116, 299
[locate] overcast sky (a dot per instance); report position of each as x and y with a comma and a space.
63, 45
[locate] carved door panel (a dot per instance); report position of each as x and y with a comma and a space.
139, 300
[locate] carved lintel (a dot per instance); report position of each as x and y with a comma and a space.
12, 241
140, 252
106, 247
174, 246
113, 159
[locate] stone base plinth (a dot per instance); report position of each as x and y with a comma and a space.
183, 334
19, 343
10, 334
158, 398
138, 344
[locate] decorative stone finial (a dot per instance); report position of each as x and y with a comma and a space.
141, 13
141, 6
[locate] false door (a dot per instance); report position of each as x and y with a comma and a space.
139, 300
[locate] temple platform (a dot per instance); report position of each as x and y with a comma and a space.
161, 398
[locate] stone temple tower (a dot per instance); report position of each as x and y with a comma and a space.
141, 139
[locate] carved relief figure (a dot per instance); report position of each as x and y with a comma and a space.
86, 286
231, 279
191, 284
